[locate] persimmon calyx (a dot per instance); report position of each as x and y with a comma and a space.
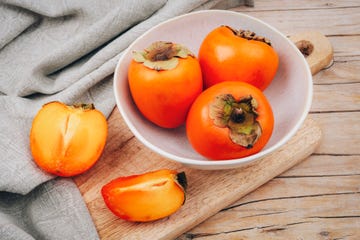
83, 106
162, 55
250, 35
181, 180
238, 116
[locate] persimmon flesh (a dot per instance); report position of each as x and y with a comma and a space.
67, 140
146, 197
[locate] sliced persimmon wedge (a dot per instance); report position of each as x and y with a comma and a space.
67, 140
146, 197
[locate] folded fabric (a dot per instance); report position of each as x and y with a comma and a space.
61, 51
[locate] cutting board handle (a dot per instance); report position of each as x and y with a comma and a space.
316, 49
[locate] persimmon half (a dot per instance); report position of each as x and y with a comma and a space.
164, 80
230, 120
67, 140
146, 197
227, 54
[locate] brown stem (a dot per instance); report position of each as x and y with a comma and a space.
250, 35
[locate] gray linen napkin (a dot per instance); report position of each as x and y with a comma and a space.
66, 51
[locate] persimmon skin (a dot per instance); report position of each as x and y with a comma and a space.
145, 197
67, 141
223, 56
164, 97
213, 142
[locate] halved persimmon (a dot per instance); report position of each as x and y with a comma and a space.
146, 197
67, 140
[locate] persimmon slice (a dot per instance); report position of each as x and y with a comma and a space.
67, 140
146, 197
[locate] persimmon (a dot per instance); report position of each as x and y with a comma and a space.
146, 197
67, 140
230, 120
227, 54
164, 80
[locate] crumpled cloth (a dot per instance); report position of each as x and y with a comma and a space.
66, 51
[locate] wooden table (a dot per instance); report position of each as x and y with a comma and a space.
319, 198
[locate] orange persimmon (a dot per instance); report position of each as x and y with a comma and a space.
164, 79
227, 54
146, 197
230, 120
67, 140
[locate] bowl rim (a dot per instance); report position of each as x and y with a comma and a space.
218, 164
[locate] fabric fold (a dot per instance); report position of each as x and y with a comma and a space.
53, 210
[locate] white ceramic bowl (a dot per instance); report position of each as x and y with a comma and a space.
290, 93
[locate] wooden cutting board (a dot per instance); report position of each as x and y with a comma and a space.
208, 191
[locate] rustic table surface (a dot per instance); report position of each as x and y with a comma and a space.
316, 199
320, 197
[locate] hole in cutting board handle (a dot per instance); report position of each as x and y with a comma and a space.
319, 51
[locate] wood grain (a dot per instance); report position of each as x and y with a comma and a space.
269, 218
289, 207
318, 198
336, 97
326, 19
330, 165
208, 192
341, 131
285, 5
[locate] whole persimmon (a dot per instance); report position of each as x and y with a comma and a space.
164, 80
146, 197
67, 140
230, 120
227, 54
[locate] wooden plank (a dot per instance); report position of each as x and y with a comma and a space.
283, 187
290, 208
266, 5
326, 165
327, 229
346, 47
327, 21
339, 72
208, 192
341, 133
336, 97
